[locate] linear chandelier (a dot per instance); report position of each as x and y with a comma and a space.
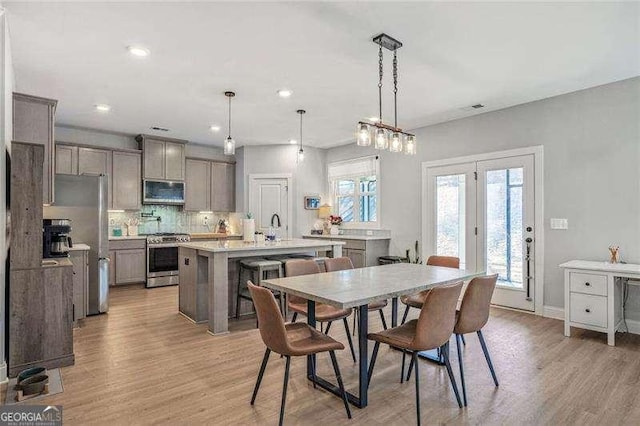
229, 143
383, 135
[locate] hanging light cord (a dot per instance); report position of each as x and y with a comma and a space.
300, 131
229, 137
380, 74
395, 88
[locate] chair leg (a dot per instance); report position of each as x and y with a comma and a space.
404, 355
464, 342
384, 323
284, 389
265, 359
410, 368
326, 330
488, 358
372, 363
336, 369
414, 360
238, 292
293, 318
355, 319
406, 312
460, 364
313, 371
346, 328
321, 328
445, 355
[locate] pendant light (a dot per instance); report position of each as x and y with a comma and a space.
229, 143
382, 135
300, 150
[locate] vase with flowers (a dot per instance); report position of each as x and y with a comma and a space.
335, 221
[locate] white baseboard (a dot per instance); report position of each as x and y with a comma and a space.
553, 312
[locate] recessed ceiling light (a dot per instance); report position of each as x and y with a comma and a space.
103, 107
284, 93
138, 51
374, 119
214, 128
293, 141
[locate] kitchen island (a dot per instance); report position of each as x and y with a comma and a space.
205, 279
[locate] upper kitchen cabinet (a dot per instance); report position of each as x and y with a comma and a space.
197, 195
125, 181
33, 122
163, 158
93, 161
223, 187
66, 159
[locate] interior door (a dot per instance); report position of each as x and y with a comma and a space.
506, 209
268, 201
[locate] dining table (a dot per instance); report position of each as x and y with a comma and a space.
356, 288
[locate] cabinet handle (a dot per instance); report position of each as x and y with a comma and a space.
588, 284
587, 310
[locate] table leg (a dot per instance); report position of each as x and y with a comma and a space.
218, 279
394, 312
311, 320
363, 330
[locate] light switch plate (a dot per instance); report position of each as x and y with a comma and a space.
557, 223
369, 233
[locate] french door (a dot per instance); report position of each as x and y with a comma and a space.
483, 213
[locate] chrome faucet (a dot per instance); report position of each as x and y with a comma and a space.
276, 216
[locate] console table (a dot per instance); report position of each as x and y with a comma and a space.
593, 295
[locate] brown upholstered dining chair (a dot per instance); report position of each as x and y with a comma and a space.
416, 300
344, 263
431, 330
472, 317
292, 339
324, 313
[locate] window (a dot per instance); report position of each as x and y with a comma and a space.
355, 191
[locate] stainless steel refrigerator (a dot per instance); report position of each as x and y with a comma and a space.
84, 200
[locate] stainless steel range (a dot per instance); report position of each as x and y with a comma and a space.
162, 258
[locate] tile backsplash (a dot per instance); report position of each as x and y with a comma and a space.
172, 219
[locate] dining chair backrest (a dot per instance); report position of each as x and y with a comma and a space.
437, 317
446, 261
298, 267
337, 264
270, 320
474, 309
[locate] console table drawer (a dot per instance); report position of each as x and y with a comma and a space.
589, 283
588, 309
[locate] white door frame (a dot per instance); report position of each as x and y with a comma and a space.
538, 170
289, 178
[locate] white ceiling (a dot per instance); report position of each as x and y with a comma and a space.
454, 55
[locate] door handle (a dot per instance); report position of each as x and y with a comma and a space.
528, 240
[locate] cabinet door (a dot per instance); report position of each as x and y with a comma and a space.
112, 267
154, 162
126, 181
174, 161
131, 266
197, 184
357, 257
223, 187
78, 259
57, 340
93, 161
66, 160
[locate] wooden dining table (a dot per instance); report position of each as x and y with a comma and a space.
356, 288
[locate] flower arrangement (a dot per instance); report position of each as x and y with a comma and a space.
335, 220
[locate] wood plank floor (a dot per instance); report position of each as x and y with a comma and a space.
145, 364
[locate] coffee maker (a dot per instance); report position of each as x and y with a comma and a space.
56, 241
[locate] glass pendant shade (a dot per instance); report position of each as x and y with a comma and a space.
410, 145
300, 155
363, 135
396, 142
229, 146
382, 139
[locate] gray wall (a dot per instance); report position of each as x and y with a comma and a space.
591, 142
309, 177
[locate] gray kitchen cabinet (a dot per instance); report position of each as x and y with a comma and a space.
93, 161
358, 257
362, 251
66, 159
197, 185
163, 158
112, 267
223, 187
131, 266
126, 181
33, 122
80, 260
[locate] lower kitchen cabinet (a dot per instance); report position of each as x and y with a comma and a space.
128, 261
358, 257
80, 260
362, 252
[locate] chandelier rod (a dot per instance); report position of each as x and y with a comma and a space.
395, 87
380, 74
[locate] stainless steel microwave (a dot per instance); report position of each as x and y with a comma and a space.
163, 192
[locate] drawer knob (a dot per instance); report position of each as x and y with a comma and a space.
587, 310
588, 284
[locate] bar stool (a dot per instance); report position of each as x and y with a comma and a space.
259, 270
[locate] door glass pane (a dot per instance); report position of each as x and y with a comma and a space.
450, 216
504, 226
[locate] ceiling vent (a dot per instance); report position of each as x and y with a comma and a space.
472, 107
477, 106
160, 129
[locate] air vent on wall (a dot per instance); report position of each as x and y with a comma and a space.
160, 129
472, 107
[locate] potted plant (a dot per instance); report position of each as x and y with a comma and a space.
335, 221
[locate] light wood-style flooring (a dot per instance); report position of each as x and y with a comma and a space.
143, 363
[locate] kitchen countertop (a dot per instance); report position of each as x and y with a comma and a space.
236, 246
59, 262
348, 237
211, 235
79, 247
128, 237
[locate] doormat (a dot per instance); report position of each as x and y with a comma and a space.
55, 386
